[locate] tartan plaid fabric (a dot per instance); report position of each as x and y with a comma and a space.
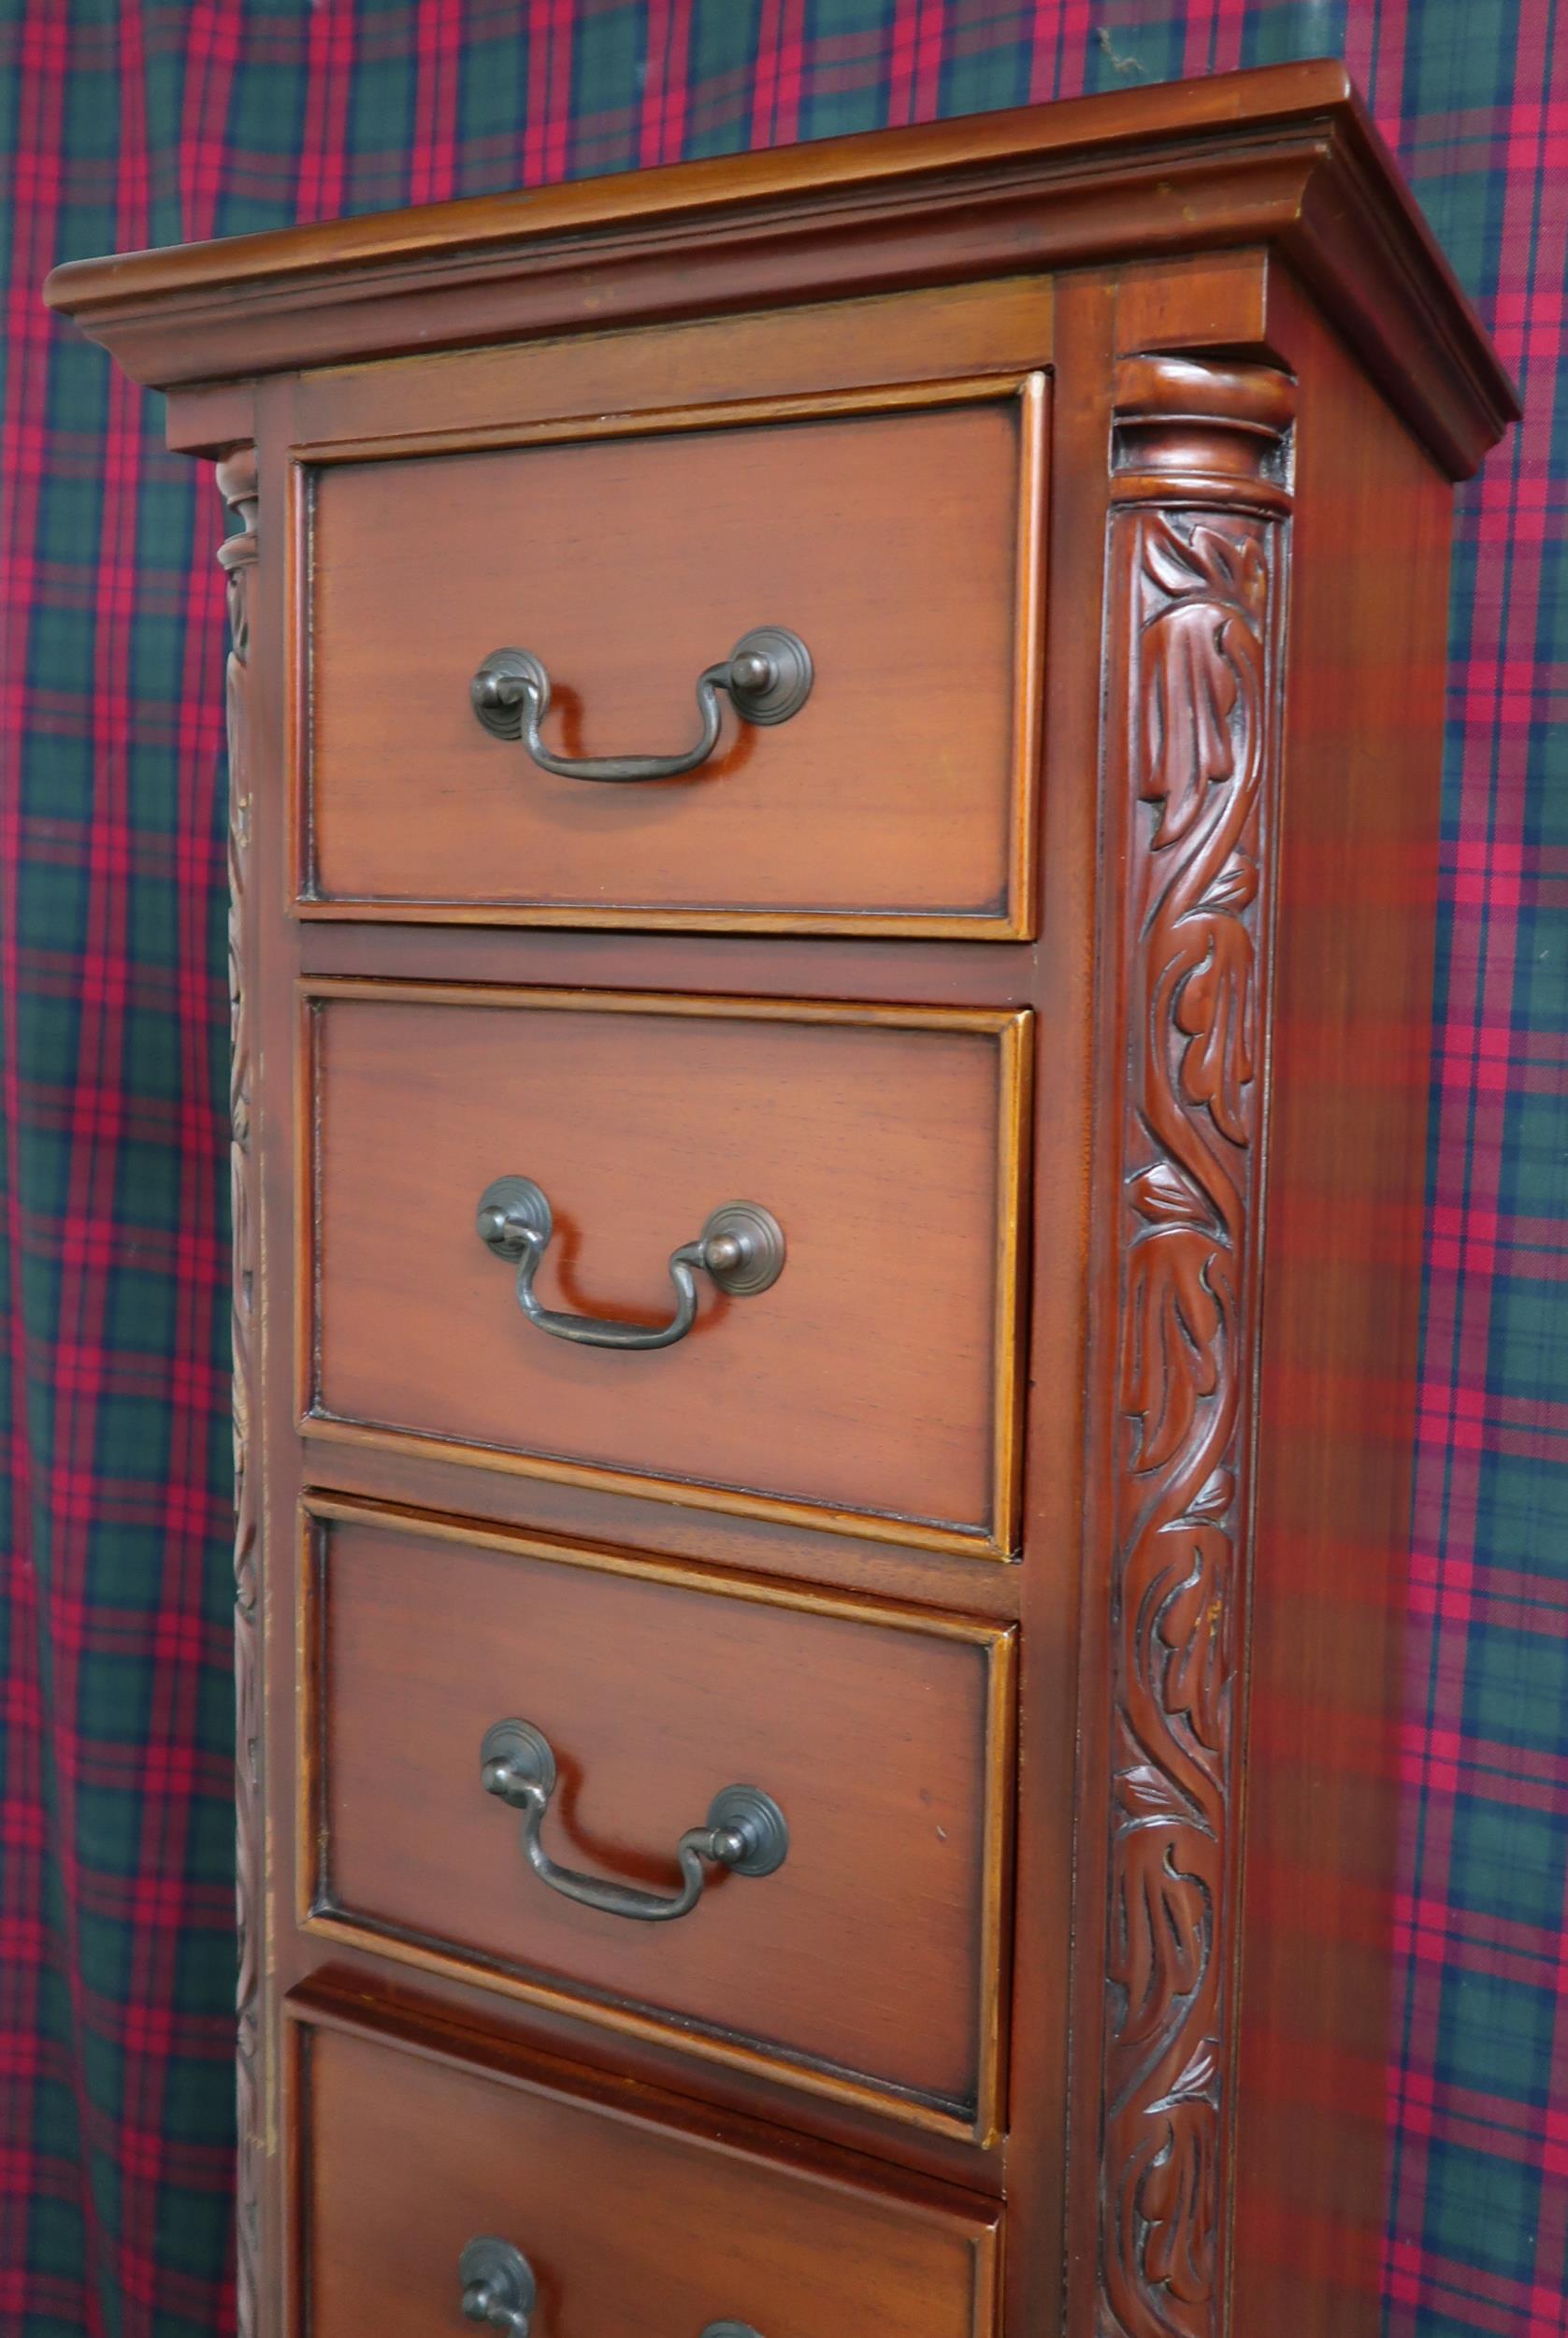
135, 121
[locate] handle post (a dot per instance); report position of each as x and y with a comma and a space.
498, 2285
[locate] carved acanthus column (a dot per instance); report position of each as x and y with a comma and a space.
1199, 535
237, 481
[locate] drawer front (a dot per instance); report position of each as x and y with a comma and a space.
627, 2227
871, 1388
865, 1965
899, 542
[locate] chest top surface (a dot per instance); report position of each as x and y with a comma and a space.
1284, 156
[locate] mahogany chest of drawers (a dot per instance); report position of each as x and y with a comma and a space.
826, 1280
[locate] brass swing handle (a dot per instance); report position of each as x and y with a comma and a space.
745, 1831
499, 2289
741, 1248
768, 677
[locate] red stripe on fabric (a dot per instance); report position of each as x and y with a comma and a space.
35, 196
438, 48
1199, 19
662, 123
321, 170
789, 87
1062, 34
903, 42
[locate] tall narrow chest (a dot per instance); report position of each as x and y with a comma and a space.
834, 766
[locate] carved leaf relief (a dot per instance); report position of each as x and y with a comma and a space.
236, 480
1160, 1936
1216, 1008
1199, 589
1168, 1347
1189, 692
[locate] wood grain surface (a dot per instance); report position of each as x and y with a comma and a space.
1286, 155
875, 1378
901, 545
1337, 1397
884, 1735
630, 2228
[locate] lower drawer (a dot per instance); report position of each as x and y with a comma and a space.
621, 2227
864, 1961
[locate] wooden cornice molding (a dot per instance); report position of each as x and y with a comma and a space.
1284, 158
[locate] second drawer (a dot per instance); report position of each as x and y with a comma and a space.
863, 1377
855, 1947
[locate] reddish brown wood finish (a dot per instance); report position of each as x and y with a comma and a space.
1198, 568
897, 797
875, 1381
505, 393
1358, 871
1287, 155
1226, 994
237, 481
403, 2161
868, 1965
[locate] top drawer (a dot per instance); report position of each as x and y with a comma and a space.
896, 533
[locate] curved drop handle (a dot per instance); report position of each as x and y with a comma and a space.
768, 677
741, 1248
498, 2285
745, 1831
499, 2289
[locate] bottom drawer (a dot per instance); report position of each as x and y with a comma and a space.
628, 2228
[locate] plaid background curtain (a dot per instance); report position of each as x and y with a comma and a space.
127, 122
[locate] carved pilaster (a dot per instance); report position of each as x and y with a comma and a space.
237, 481
1198, 562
